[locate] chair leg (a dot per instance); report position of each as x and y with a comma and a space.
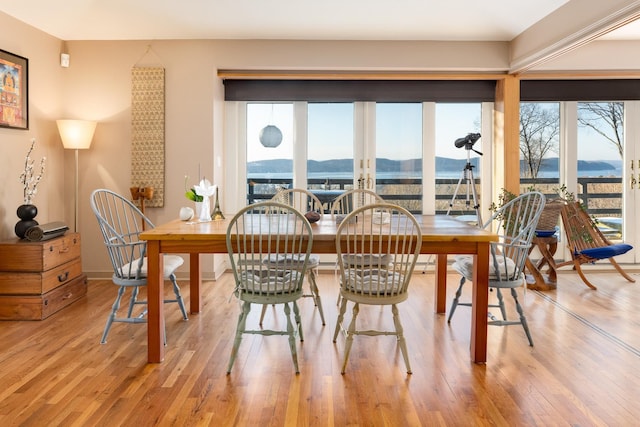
400, 334
262, 313
335, 274
112, 315
240, 328
351, 330
315, 294
503, 310
343, 309
132, 300
523, 319
292, 335
586, 281
296, 312
621, 271
164, 332
456, 299
179, 300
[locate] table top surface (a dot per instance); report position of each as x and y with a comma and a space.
435, 228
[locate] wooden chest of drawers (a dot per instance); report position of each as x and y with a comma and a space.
38, 279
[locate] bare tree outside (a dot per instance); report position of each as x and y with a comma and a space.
602, 127
594, 115
539, 135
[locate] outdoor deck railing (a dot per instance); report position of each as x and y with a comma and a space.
600, 195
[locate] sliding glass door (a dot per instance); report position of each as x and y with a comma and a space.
399, 150
398, 155
600, 154
330, 149
587, 148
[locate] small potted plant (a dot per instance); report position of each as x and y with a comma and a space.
191, 192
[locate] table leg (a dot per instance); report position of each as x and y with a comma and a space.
550, 251
441, 283
547, 247
479, 304
195, 279
538, 279
155, 306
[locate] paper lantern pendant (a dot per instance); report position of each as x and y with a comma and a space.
270, 136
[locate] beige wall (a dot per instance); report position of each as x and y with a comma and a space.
46, 94
97, 86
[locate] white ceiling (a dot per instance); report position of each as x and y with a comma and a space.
487, 20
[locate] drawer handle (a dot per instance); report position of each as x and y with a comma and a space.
63, 277
63, 250
67, 296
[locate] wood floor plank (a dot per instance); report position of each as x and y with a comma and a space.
584, 369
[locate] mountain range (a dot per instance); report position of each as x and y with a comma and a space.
385, 165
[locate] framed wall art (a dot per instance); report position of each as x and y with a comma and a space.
14, 99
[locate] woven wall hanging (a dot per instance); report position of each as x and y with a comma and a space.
147, 131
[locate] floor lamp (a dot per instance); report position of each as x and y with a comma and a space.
76, 135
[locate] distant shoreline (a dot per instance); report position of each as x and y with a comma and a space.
446, 168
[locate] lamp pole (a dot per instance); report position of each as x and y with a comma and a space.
76, 134
75, 215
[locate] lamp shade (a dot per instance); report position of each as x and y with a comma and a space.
270, 136
76, 134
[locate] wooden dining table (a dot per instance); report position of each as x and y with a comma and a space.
441, 235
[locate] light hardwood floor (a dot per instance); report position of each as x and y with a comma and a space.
583, 371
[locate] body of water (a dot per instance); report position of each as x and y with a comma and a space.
439, 175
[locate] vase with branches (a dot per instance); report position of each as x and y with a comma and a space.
30, 180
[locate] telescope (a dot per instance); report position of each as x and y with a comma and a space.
467, 141
467, 175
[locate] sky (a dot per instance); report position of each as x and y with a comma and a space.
331, 131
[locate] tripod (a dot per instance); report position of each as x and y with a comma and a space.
467, 175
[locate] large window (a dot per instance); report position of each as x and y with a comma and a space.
381, 134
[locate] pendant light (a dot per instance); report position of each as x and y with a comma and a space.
270, 136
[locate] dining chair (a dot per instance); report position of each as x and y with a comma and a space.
378, 246
349, 200
303, 201
515, 223
121, 223
281, 233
